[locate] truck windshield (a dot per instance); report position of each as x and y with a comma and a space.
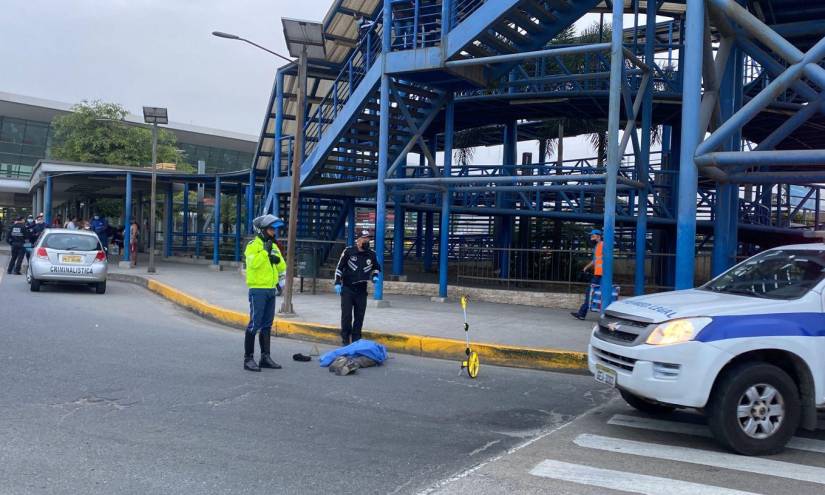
775, 274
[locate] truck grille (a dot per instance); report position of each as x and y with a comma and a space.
614, 360
619, 330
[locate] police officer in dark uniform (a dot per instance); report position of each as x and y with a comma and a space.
17, 236
357, 266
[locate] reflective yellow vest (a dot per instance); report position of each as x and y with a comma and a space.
260, 273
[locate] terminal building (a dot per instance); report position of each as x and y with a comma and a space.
25, 136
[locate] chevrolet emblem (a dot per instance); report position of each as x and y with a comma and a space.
613, 326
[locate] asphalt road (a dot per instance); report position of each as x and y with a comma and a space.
124, 393
613, 449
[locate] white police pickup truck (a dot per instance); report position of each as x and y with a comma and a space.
747, 348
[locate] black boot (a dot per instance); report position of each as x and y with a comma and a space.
266, 361
249, 363
249, 351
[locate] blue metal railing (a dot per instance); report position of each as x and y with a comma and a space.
416, 24
462, 9
352, 73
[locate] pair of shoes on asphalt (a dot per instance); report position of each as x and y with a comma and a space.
577, 316
343, 366
249, 363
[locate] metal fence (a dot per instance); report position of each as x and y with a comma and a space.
560, 270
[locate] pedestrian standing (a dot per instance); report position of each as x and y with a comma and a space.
357, 266
265, 271
101, 228
17, 236
134, 232
72, 224
596, 264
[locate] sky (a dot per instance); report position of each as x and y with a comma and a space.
150, 52
161, 53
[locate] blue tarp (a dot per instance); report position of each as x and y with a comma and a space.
363, 347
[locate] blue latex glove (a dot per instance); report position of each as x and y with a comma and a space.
338, 289
375, 279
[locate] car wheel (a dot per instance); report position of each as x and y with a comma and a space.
645, 405
34, 285
754, 409
100, 287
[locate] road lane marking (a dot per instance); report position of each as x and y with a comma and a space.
798, 443
626, 482
734, 462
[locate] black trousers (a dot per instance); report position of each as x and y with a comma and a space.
17, 254
353, 307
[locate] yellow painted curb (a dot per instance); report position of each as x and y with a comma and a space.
417, 345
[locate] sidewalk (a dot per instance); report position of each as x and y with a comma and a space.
506, 324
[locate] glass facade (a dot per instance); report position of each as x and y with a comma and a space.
24, 142
217, 159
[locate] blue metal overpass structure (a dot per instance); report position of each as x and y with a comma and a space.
733, 89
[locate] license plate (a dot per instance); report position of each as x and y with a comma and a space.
605, 375
71, 259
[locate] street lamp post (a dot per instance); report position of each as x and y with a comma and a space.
304, 40
154, 116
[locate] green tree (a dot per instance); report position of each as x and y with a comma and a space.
96, 132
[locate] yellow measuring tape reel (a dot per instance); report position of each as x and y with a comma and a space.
471, 364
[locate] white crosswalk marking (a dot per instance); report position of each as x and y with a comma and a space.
798, 443
704, 457
626, 482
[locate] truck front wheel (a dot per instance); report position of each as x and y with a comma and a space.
754, 409
645, 405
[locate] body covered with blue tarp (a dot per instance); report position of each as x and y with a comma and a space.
363, 347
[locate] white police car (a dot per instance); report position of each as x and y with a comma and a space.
747, 348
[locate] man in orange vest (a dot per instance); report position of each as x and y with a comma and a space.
596, 264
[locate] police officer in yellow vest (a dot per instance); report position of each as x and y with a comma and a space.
265, 271
596, 265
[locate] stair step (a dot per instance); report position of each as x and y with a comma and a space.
511, 33
501, 46
541, 13
523, 21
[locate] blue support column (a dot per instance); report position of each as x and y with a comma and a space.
429, 225
170, 220
383, 153
446, 18
350, 205
238, 203
644, 159
185, 221
398, 230
216, 259
727, 201
504, 200
47, 201
419, 237
446, 196
279, 133
613, 158
127, 219
250, 201
198, 220
688, 172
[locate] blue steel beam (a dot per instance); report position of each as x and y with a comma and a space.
185, 220
216, 242
47, 201
170, 219
688, 172
383, 153
444, 230
613, 153
127, 219
644, 159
